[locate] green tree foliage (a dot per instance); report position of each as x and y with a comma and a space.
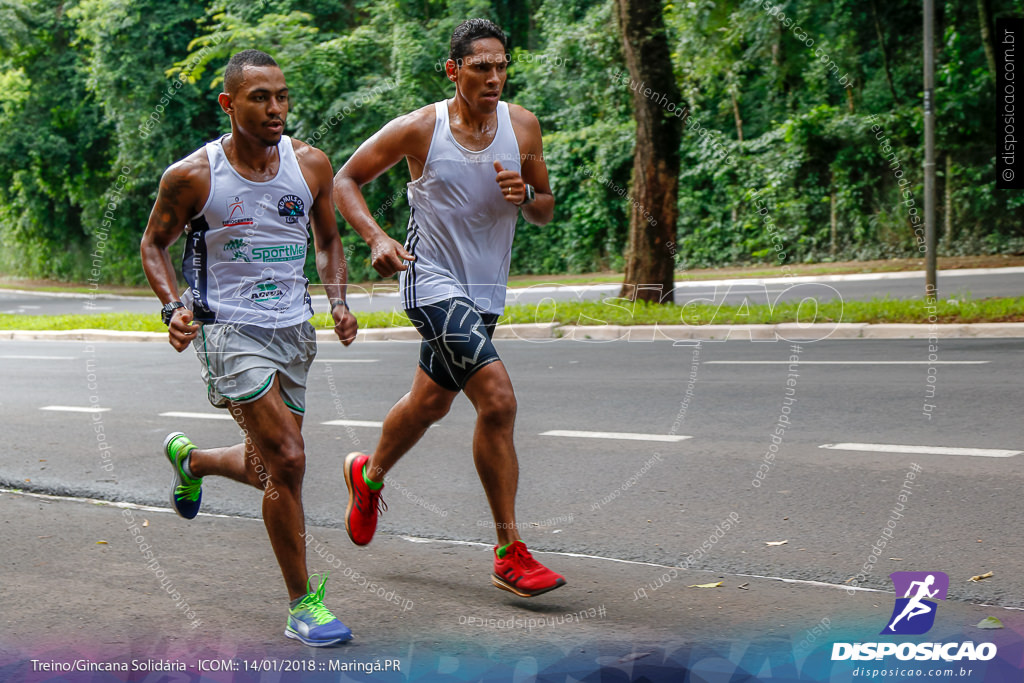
97, 97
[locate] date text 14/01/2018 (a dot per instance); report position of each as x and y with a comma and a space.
332, 665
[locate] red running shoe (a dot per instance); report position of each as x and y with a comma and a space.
519, 573
364, 504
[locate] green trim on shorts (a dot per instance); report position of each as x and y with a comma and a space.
301, 411
206, 357
259, 391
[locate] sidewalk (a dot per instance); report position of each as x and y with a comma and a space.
76, 585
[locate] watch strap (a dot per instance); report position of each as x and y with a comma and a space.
167, 312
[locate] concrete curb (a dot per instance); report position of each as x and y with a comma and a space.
555, 332
82, 335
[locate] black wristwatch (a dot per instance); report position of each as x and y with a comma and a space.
167, 312
338, 302
530, 196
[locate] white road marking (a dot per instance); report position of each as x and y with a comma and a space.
353, 423
822, 584
346, 360
198, 416
76, 409
848, 362
225, 416
616, 435
924, 450
13, 357
116, 504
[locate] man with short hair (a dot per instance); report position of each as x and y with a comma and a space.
246, 202
475, 162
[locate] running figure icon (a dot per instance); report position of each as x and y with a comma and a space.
916, 607
916, 596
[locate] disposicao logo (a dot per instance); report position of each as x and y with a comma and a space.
912, 615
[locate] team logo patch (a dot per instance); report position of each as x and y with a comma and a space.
914, 613
236, 213
291, 207
238, 247
268, 294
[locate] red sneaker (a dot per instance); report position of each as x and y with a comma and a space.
519, 573
364, 503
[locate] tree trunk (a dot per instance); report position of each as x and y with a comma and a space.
736, 115
650, 263
987, 30
777, 48
885, 52
948, 204
832, 216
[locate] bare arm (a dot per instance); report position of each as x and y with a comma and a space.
330, 255
534, 170
406, 136
178, 199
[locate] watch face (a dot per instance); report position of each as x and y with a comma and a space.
167, 311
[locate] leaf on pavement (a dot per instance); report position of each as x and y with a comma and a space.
979, 577
145, 522
706, 585
101, 543
776, 542
633, 657
990, 622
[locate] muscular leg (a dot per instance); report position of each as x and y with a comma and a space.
278, 450
407, 421
494, 453
232, 461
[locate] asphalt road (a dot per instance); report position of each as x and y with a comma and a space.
653, 501
978, 283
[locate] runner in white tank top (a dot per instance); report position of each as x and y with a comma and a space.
248, 200
475, 162
246, 249
460, 227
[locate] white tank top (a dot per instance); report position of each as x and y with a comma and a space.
460, 226
245, 250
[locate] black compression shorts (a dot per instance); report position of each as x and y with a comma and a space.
456, 340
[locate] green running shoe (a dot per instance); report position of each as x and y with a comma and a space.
311, 623
186, 492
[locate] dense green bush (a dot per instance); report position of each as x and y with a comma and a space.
99, 96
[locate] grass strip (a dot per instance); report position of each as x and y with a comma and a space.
620, 312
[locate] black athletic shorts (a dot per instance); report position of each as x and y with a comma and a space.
456, 340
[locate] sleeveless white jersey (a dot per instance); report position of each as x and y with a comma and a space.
460, 226
245, 250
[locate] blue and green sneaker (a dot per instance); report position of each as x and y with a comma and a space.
186, 492
312, 623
